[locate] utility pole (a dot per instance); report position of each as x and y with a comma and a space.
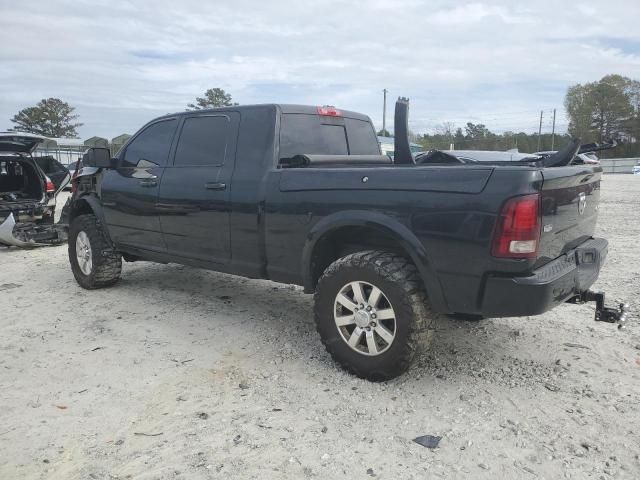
384, 113
539, 130
553, 129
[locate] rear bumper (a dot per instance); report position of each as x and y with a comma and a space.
546, 287
30, 234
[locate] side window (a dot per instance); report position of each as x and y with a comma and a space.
49, 165
203, 141
151, 146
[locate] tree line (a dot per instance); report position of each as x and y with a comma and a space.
476, 136
597, 111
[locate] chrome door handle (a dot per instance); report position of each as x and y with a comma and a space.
148, 183
215, 186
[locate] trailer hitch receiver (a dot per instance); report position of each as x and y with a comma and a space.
603, 314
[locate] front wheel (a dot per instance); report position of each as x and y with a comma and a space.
372, 313
93, 262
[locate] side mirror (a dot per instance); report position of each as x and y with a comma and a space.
98, 157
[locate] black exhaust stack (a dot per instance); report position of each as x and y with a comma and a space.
564, 156
402, 152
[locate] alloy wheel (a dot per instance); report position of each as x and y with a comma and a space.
83, 253
365, 318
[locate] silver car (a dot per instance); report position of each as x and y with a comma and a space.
28, 190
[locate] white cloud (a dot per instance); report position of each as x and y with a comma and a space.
121, 63
473, 13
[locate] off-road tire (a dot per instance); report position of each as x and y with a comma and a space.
107, 263
400, 281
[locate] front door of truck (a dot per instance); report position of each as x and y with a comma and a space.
130, 191
194, 204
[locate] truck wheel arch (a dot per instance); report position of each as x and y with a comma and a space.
332, 237
88, 204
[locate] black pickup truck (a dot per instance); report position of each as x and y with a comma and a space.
302, 195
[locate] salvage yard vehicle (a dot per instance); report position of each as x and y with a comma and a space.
302, 195
28, 189
586, 154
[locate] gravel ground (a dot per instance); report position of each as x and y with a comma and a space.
187, 374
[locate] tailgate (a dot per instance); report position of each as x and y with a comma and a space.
570, 198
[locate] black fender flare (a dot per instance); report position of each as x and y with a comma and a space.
92, 200
386, 225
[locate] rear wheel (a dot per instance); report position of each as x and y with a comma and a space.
372, 313
93, 261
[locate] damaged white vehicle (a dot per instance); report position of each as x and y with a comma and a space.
28, 193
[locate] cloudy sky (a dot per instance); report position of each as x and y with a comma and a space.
121, 63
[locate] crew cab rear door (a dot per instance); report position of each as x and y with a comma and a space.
194, 204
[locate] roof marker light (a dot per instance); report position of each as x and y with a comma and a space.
329, 110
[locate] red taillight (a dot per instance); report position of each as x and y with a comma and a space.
329, 110
517, 233
50, 186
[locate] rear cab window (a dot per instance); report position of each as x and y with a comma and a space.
325, 135
362, 137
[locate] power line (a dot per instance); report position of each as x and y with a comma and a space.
553, 131
384, 112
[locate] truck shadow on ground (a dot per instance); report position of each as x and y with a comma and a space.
281, 316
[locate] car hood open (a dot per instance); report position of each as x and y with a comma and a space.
19, 142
